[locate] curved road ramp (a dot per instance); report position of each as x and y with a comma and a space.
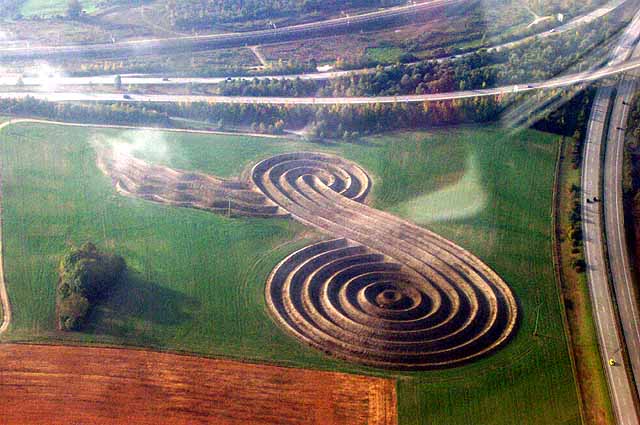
383, 292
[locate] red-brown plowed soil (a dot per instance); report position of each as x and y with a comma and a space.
79, 385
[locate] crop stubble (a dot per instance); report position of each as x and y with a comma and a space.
84, 385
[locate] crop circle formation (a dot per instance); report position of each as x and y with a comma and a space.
385, 292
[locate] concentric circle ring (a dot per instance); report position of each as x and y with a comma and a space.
386, 292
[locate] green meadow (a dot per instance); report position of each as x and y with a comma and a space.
53, 7
196, 280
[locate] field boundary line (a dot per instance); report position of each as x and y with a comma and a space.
557, 264
4, 295
136, 127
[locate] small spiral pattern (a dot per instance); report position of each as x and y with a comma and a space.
385, 292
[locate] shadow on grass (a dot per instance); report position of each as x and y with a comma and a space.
137, 309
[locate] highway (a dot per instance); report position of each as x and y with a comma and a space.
146, 79
619, 264
212, 41
615, 67
606, 317
570, 25
622, 396
142, 79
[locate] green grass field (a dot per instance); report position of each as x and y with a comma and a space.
199, 278
53, 7
385, 54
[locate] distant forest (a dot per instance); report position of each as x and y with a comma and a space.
194, 14
189, 14
201, 14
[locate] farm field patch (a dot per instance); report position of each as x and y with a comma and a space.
199, 278
385, 54
53, 7
112, 386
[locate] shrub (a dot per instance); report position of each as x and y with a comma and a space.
85, 277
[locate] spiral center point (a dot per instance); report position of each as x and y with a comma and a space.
388, 298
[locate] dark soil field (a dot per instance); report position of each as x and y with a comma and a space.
80, 385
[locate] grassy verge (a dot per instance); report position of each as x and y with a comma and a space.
385, 54
592, 385
199, 278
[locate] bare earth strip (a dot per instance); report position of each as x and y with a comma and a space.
135, 177
63, 385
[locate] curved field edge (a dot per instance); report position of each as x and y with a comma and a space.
209, 292
5, 306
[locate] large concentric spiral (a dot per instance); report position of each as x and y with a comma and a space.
386, 293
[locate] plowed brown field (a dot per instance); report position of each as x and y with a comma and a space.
82, 385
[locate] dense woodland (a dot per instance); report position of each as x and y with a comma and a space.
531, 62
190, 14
115, 113
85, 277
632, 157
543, 7
321, 121
198, 14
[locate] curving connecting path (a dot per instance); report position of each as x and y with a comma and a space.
387, 293
137, 178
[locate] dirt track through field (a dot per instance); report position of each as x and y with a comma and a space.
81, 385
386, 293
137, 178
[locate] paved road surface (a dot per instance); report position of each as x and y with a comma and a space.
570, 25
604, 310
144, 79
566, 80
211, 41
619, 264
622, 396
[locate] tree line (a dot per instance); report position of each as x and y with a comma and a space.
318, 121
98, 113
